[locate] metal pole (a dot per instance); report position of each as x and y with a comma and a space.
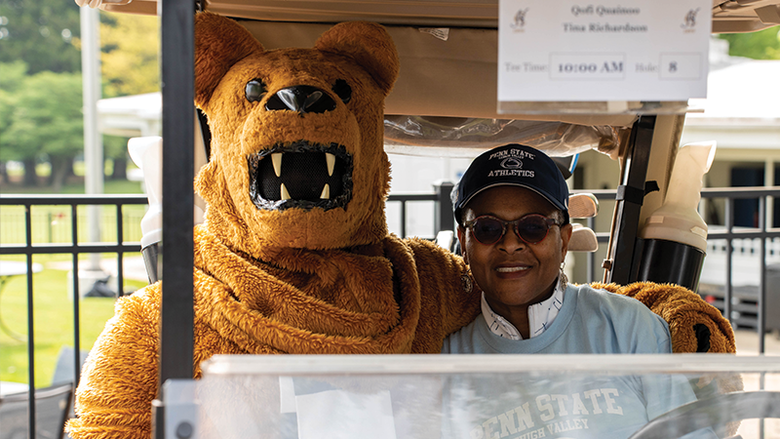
403, 218
762, 278
729, 259
74, 233
93, 145
178, 93
623, 262
31, 419
444, 220
178, 84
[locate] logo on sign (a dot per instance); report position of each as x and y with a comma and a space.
519, 20
689, 23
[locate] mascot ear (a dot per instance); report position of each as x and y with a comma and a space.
219, 43
369, 45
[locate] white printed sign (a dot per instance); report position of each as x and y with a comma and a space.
340, 414
632, 50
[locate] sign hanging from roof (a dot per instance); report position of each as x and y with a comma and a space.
577, 51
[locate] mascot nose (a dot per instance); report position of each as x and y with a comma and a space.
301, 99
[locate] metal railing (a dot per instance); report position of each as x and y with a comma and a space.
442, 218
70, 219
727, 242
729, 233
75, 248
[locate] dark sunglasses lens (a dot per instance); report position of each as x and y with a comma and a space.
488, 230
532, 229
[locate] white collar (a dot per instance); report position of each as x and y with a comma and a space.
540, 316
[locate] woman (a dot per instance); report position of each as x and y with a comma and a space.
511, 207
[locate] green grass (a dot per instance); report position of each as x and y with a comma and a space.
77, 187
52, 299
52, 224
53, 321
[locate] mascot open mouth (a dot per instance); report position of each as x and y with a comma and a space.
302, 175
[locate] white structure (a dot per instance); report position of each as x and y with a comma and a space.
131, 116
742, 111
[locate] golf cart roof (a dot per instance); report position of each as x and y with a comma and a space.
728, 16
448, 80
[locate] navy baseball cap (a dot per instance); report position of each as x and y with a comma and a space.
512, 165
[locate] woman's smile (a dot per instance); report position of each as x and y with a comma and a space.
511, 269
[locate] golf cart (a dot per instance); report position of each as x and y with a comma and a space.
448, 84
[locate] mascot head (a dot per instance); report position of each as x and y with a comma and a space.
297, 136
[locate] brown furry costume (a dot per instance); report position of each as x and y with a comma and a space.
298, 275
271, 279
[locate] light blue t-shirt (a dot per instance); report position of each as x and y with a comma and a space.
590, 322
565, 405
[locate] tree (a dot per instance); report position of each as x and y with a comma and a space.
130, 65
11, 79
764, 44
130, 46
115, 148
42, 33
47, 119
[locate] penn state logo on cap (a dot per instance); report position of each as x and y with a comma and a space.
512, 165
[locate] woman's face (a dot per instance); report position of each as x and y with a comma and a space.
512, 273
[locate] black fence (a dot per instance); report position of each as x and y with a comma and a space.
75, 248
730, 299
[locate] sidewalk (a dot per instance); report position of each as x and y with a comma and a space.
133, 267
747, 343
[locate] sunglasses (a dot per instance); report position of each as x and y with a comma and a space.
532, 228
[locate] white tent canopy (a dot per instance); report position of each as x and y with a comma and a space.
741, 110
131, 116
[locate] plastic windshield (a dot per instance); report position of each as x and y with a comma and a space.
484, 396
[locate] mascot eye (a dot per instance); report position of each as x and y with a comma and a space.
343, 90
255, 90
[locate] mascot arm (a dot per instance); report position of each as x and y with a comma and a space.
695, 325
450, 298
119, 379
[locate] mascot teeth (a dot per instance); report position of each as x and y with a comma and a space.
302, 175
277, 159
331, 161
